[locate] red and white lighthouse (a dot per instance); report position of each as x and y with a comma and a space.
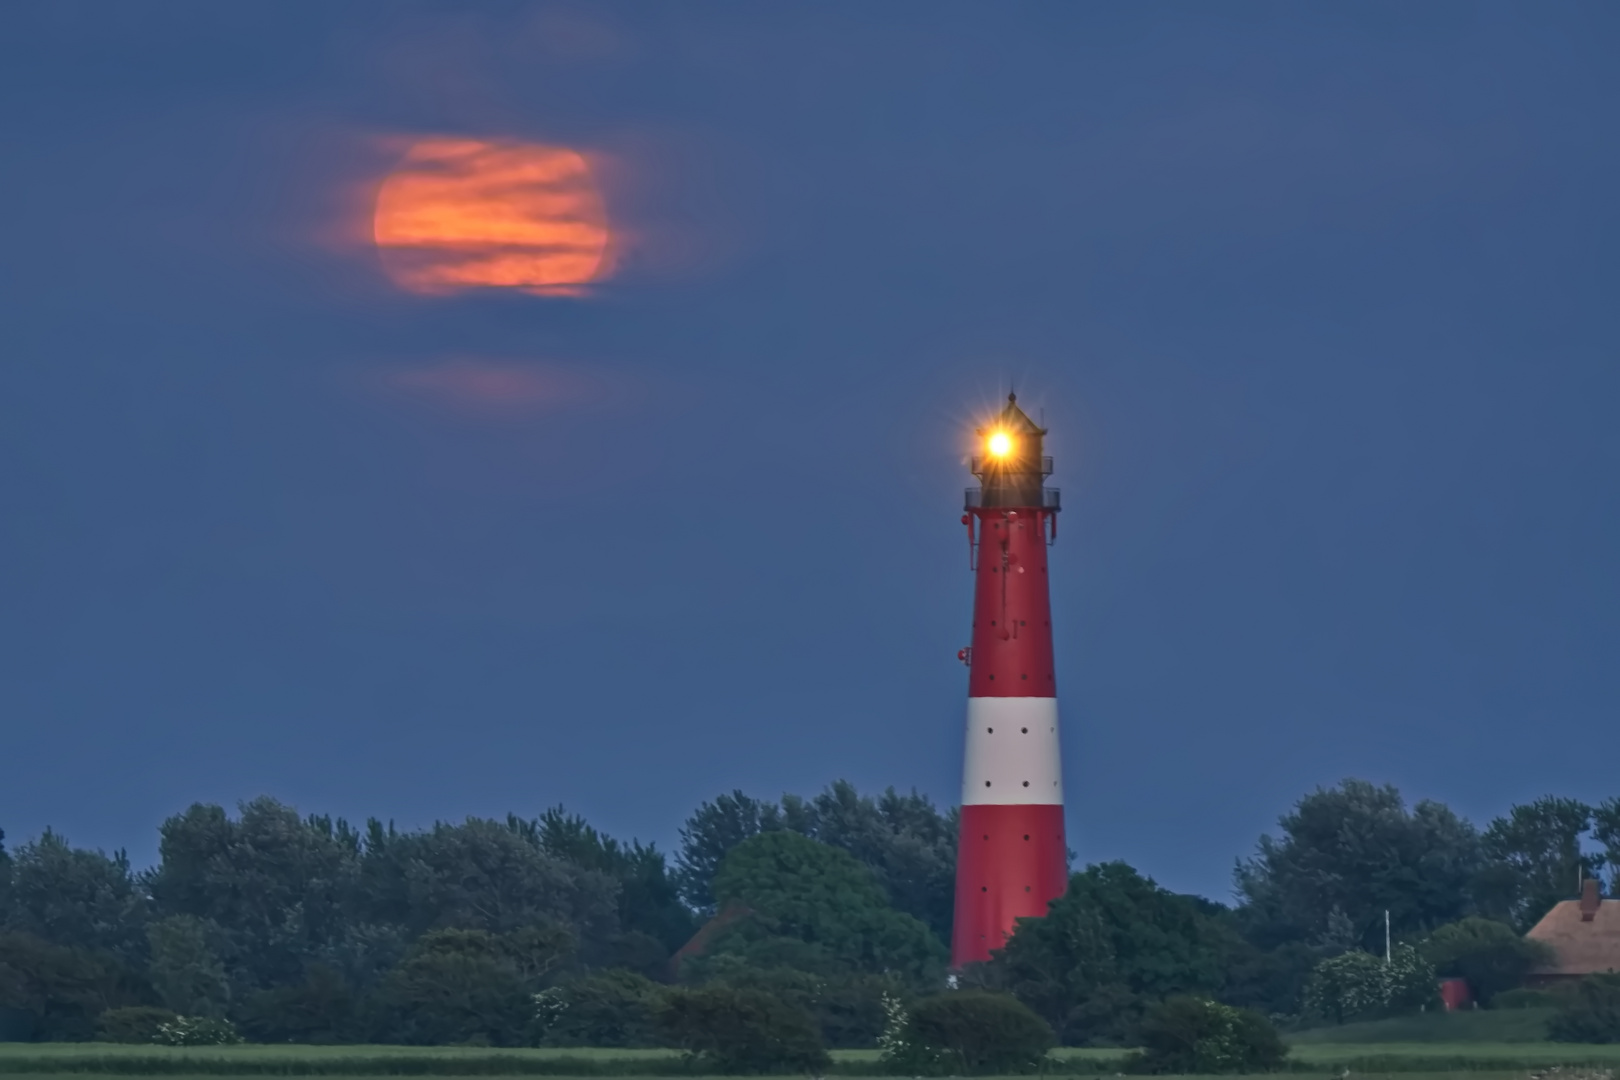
1011, 859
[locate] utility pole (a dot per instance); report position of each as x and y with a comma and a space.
1386, 936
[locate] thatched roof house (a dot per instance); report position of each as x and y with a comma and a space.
1583, 934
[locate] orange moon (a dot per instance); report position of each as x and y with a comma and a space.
461, 214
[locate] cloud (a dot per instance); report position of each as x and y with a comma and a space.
495, 387
459, 214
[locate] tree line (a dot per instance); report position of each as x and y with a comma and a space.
523, 931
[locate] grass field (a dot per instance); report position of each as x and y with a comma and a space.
1458, 1046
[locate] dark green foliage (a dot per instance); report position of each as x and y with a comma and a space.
1108, 947
727, 1030
1356, 851
5, 881
1534, 859
975, 1031
1487, 953
847, 1007
480, 875
649, 901
1606, 831
133, 1024
817, 909
75, 897
909, 846
304, 929
322, 1009
185, 968
615, 1008
709, 835
1588, 1012
62, 990
905, 841
274, 884
1186, 1034
1359, 986
456, 986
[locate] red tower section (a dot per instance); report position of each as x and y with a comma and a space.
1012, 859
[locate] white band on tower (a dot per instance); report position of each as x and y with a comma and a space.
1012, 752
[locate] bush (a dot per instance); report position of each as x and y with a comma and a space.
965, 1031
1525, 997
455, 987
1360, 986
1192, 1035
1488, 954
197, 1031
320, 1010
1589, 1012
733, 1031
615, 1008
134, 1024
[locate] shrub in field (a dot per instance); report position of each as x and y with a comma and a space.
318, 1011
1360, 986
846, 1006
457, 986
1589, 1012
197, 1031
1192, 1035
966, 1031
615, 1008
735, 1031
1489, 954
133, 1024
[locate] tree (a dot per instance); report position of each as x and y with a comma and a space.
708, 837
82, 899
1487, 953
813, 907
278, 887
906, 842
1606, 832
5, 881
1356, 850
614, 1008
186, 970
1534, 859
1196, 1035
975, 1031
649, 899
456, 986
1112, 944
1360, 986
62, 989
480, 875
320, 1010
727, 1030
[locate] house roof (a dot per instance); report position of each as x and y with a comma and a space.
1584, 935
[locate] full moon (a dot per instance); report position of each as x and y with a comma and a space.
462, 214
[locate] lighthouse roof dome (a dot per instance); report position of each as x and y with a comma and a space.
1015, 421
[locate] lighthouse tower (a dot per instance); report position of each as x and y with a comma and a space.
1011, 859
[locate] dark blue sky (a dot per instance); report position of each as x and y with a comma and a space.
1319, 304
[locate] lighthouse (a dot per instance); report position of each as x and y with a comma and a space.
1011, 859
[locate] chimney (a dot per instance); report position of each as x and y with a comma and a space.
1589, 900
